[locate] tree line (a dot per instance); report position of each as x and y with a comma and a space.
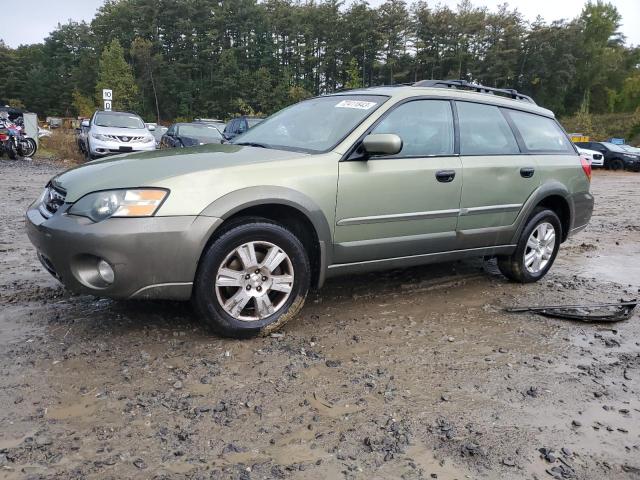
170, 59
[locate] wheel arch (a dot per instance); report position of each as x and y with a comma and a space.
554, 196
293, 209
560, 206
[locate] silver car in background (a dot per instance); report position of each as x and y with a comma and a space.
111, 133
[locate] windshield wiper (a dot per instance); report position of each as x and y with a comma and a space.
252, 144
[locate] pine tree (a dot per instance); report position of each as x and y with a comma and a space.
116, 74
353, 75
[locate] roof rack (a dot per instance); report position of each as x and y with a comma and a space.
463, 84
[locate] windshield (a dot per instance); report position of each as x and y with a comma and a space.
208, 132
314, 125
118, 120
613, 147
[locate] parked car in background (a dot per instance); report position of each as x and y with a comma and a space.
81, 136
190, 134
615, 156
632, 150
238, 126
595, 158
110, 133
219, 124
358, 181
158, 131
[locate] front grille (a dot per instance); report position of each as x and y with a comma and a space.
597, 156
124, 138
52, 200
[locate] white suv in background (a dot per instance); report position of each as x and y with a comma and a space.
596, 159
111, 133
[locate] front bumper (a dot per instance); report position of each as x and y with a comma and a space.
632, 165
102, 148
154, 257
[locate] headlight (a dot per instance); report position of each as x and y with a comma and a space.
148, 139
98, 206
99, 136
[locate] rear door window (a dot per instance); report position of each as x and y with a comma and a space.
540, 134
425, 127
484, 130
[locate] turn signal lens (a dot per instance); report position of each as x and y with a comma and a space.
586, 166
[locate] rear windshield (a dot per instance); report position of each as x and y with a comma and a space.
208, 132
118, 120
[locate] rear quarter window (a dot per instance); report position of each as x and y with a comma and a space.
540, 134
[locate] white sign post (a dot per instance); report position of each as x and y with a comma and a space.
107, 96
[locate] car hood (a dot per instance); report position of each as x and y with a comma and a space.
158, 168
121, 132
588, 152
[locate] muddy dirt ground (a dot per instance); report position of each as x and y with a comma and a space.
412, 374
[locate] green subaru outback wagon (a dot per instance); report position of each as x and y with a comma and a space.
363, 180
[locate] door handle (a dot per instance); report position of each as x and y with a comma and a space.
445, 176
527, 172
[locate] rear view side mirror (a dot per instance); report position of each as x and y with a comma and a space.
85, 123
152, 128
382, 144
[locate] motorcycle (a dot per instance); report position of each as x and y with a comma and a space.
13, 140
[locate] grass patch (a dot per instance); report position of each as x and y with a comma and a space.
61, 146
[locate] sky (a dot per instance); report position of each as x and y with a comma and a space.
14, 30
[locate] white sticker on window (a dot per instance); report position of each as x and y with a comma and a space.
360, 105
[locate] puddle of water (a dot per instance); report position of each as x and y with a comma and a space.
330, 409
85, 408
427, 460
620, 269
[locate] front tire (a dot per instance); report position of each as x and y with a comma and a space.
252, 279
536, 250
617, 164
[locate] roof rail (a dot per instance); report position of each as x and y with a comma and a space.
463, 84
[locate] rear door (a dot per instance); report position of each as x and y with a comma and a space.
404, 204
498, 177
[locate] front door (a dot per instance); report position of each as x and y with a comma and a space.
405, 204
498, 179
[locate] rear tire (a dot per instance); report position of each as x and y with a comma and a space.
252, 279
87, 154
536, 250
31, 149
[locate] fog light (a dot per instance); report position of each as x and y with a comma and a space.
106, 272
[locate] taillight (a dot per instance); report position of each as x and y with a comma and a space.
586, 166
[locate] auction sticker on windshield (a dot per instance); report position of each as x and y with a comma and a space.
360, 105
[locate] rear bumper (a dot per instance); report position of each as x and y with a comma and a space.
153, 257
582, 208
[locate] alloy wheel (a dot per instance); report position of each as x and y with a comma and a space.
540, 247
254, 281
